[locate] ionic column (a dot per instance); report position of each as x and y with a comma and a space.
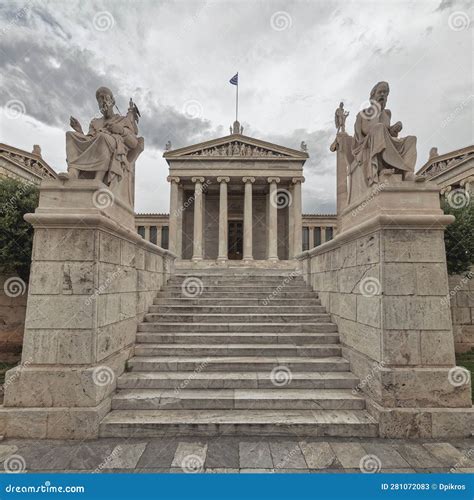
291, 226
147, 233
158, 235
311, 237
174, 212
323, 235
198, 218
297, 215
179, 228
223, 243
272, 243
248, 255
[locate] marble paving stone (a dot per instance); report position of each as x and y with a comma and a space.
190, 456
222, 453
287, 455
90, 456
349, 454
448, 455
125, 456
255, 455
256, 471
417, 456
6, 451
40, 456
158, 454
388, 456
318, 455
222, 470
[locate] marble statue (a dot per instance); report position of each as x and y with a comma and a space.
168, 146
109, 150
376, 145
340, 117
304, 146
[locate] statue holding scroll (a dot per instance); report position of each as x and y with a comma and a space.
109, 150
377, 147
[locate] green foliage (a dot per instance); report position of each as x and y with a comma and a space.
467, 361
459, 237
16, 235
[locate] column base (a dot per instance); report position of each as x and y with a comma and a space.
247, 259
273, 259
196, 259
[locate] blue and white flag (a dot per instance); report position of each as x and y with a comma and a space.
235, 79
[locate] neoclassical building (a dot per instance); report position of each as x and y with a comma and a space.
236, 198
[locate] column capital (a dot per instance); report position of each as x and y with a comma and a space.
248, 179
197, 179
295, 180
172, 178
223, 179
273, 179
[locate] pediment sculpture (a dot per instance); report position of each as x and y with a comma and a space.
109, 149
237, 148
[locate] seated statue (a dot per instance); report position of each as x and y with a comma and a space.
110, 148
376, 146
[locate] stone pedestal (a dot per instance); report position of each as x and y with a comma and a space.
383, 278
92, 279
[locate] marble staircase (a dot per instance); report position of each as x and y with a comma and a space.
236, 352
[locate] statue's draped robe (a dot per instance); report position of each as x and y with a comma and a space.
100, 150
372, 142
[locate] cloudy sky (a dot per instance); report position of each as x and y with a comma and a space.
297, 59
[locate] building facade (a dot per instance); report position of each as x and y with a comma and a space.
237, 198
24, 166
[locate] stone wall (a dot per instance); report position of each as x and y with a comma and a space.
92, 279
384, 281
461, 292
12, 319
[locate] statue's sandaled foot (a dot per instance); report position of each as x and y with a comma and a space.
64, 176
387, 171
409, 176
420, 178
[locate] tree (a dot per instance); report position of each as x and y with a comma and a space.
459, 236
16, 235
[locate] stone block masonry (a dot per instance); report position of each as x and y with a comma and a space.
384, 282
92, 280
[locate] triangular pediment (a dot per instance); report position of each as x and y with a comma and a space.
235, 146
28, 161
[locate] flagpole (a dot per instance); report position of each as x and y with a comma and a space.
236, 100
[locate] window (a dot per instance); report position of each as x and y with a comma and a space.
305, 238
329, 232
153, 234
164, 237
141, 231
317, 236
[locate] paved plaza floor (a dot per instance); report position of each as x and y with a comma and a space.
238, 455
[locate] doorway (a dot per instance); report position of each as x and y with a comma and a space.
235, 239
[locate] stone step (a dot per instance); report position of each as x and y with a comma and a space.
238, 288
236, 363
249, 281
151, 423
318, 351
238, 327
236, 318
245, 338
226, 309
234, 380
255, 301
239, 399
237, 294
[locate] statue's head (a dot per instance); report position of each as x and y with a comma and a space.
105, 100
341, 105
379, 93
